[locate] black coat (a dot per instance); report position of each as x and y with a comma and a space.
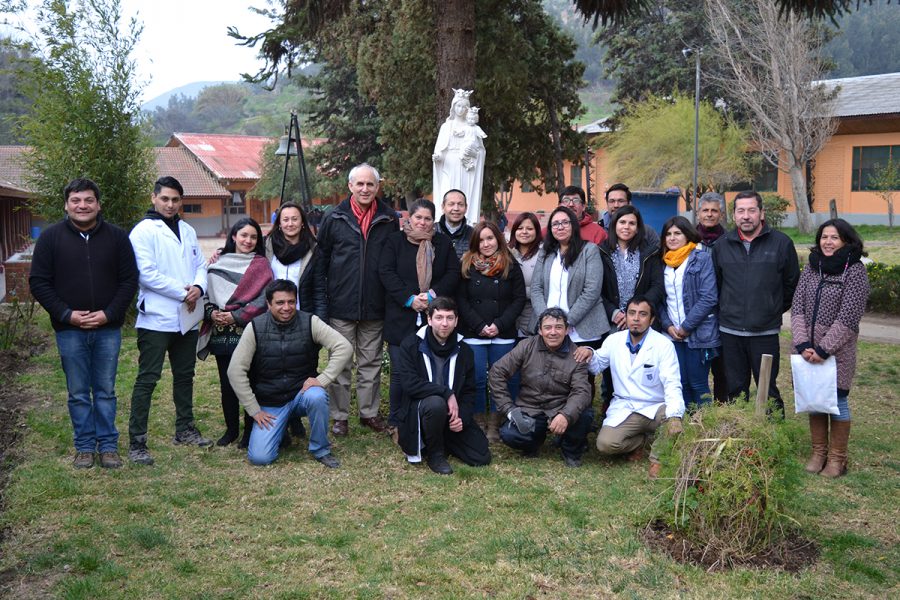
69, 272
416, 385
484, 300
460, 238
755, 289
650, 281
397, 270
350, 262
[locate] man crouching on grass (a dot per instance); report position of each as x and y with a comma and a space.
274, 372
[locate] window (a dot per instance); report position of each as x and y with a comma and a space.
765, 177
575, 176
526, 187
866, 160
194, 209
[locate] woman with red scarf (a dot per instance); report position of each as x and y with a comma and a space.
491, 297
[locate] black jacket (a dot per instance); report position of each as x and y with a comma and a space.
755, 289
92, 272
417, 385
350, 262
397, 270
484, 300
460, 238
650, 278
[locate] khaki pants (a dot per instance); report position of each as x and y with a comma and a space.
365, 337
630, 434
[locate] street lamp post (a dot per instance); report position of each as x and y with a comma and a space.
687, 52
286, 149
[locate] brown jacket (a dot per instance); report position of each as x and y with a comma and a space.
551, 381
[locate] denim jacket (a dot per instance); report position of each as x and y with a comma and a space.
701, 302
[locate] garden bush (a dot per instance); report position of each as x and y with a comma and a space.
884, 281
730, 479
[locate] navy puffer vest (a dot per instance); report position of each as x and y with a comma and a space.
285, 357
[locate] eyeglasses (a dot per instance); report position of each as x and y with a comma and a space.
570, 200
560, 224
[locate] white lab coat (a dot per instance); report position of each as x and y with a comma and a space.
640, 386
166, 265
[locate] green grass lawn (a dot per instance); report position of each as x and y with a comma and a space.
206, 524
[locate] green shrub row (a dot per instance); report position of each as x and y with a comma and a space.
884, 281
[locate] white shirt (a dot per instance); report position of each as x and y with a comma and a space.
643, 381
674, 282
558, 291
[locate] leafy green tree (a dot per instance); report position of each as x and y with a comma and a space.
85, 116
177, 115
221, 107
13, 102
654, 146
867, 42
885, 180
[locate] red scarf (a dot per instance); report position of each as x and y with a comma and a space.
363, 215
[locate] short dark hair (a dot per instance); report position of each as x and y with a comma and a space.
169, 182
749, 194
442, 303
81, 184
231, 246
616, 187
554, 312
846, 232
638, 299
279, 285
572, 189
422, 203
460, 192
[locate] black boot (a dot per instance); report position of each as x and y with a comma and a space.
229, 436
437, 462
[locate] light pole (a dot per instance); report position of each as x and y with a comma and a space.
687, 52
286, 149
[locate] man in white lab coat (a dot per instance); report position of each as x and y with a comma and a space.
647, 385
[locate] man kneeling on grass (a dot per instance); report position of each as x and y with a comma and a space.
274, 372
555, 394
646, 384
437, 375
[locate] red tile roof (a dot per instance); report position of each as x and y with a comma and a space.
232, 157
12, 171
193, 177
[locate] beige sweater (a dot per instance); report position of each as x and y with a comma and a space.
340, 353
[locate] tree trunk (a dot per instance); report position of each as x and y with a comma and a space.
798, 187
455, 64
556, 136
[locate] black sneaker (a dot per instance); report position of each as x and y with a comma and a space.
137, 451
329, 461
572, 462
191, 437
438, 463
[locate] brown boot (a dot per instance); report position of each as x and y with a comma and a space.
818, 431
493, 428
837, 451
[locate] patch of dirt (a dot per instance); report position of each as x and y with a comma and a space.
791, 554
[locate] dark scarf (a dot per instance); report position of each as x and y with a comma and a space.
835, 264
445, 351
710, 235
170, 223
284, 251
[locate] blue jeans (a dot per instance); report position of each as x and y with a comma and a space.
694, 375
89, 360
843, 409
485, 357
263, 448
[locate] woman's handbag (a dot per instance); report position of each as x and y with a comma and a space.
815, 385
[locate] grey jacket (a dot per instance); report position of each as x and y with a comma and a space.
586, 311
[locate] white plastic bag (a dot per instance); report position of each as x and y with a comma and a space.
815, 386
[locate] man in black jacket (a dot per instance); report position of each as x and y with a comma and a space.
757, 271
84, 274
453, 221
350, 242
437, 375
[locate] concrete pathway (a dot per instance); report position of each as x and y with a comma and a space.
874, 327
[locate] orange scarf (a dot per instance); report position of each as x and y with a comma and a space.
675, 258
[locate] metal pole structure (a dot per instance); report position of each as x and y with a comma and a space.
305, 194
696, 132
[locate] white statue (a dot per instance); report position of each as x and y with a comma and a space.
459, 155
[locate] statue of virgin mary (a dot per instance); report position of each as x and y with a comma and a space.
459, 155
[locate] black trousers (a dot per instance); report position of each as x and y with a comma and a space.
742, 355
573, 442
469, 445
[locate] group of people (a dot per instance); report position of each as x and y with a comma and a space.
489, 340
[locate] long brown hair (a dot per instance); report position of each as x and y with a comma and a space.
505, 257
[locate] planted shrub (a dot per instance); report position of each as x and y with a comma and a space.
730, 478
884, 281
